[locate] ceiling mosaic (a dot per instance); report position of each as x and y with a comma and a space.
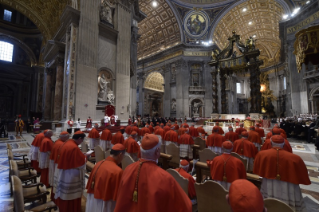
258, 18
155, 81
159, 30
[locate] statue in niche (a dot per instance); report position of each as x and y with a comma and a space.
102, 95
196, 107
173, 105
173, 74
106, 12
110, 97
195, 77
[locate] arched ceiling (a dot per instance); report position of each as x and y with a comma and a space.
154, 81
264, 16
44, 14
159, 30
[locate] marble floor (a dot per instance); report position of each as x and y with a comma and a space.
22, 145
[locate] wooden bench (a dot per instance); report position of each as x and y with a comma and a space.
165, 158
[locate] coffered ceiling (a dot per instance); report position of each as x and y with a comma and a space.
261, 19
159, 30
154, 81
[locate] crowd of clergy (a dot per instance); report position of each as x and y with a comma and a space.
144, 186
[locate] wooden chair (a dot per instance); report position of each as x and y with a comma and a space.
127, 160
107, 153
200, 142
206, 154
99, 154
24, 163
245, 161
84, 147
26, 175
275, 205
180, 179
30, 193
173, 150
211, 197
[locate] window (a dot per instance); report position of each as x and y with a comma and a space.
285, 83
7, 15
238, 87
6, 51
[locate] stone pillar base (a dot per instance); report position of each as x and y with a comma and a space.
254, 116
214, 116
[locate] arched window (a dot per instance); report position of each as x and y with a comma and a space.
6, 51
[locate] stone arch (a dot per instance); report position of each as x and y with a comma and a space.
313, 102
154, 81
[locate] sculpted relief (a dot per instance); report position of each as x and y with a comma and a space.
106, 12
105, 87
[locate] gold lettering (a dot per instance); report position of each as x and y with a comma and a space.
303, 23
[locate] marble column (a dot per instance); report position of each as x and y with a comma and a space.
141, 78
58, 90
167, 92
215, 90
179, 89
48, 93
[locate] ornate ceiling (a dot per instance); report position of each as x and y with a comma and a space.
44, 14
159, 30
154, 81
264, 16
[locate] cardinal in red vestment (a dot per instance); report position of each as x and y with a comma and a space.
44, 157
147, 187
254, 137
201, 130
88, 125
215, 140
145, 130
94, 137
118, 138
267, 144
105, 140
34, 151
240, 129
167, 128
225, 168
260, 131
231, 135
104, 181
283, 171
69, 177
276, 128
183, 171
176, 125
186, 143
131, 146
171, 136
193, 131
220, 130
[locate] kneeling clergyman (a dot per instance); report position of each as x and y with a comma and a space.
147, 187
69, 177
282, 173
225, 169
104, 181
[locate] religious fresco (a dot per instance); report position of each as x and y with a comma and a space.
196, 24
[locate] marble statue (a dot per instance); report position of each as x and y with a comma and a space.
110, 98
173, 105
196, 107
102, 96
106, 12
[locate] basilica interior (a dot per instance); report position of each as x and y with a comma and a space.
64, 60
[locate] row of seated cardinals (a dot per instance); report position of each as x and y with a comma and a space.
272, 159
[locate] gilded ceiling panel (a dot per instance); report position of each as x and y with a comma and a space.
159, 30
154, 81
261, 19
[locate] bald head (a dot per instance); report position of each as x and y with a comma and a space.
48, 133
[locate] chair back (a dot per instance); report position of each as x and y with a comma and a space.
200, 142
127, 160
10, 154
17, 193
84, 147
107, 153
9, 146
275, 205
163, 148
173, 150
14, 168
99, 154
180, 179
206, 154
244, 160
211, 197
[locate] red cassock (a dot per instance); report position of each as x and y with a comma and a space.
254, 137
171, 136
201, 130
145, 130
181, 131
267, 145
131, 145
106, 135
160, 132
151, 128
129, 121
240, 130
71, 157
94, 133
107, 180
215, 140
88, 123
234, 168
220, 130
54, 156
186, 139
245, 148
46, 146
291, 167
157, 190
260, 131
191, 182
166, 128
112, 120
128, 130
118, 138
136, 129
185, 124
193, 132
271, 134
176, 126
37, 143
232, 136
